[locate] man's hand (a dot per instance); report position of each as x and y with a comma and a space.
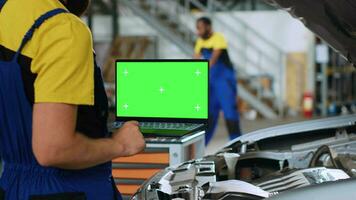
197, 56
130, 138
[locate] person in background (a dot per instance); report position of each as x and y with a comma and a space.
222, 81
54, 140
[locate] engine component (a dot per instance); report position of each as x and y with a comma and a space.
233, 188
231, 160
291, 179
343, 158
324, 157
185, 181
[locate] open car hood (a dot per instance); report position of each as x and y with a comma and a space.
332, 20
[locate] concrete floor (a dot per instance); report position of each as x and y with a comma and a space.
221, 136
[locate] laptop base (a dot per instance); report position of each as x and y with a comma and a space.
162, 132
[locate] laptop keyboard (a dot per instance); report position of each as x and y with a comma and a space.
164, 125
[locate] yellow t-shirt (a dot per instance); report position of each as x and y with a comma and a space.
216, 42
57, 63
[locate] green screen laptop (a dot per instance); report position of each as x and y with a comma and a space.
168, 97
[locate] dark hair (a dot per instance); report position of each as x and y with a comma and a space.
77, 7
205, 20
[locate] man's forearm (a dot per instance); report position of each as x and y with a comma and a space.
84, 152
60, 146
212, 62
215, 56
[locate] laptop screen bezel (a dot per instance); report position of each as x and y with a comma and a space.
161, 119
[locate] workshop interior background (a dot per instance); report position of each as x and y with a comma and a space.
285, 72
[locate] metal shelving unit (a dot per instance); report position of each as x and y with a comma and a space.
335, 85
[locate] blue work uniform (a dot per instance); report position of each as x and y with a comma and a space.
222, 86
22, 177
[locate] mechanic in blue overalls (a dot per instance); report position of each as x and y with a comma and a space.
222, 82
53, 109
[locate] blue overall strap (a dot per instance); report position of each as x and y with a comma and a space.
36, 25
2, 3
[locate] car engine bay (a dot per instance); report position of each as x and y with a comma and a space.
261, 169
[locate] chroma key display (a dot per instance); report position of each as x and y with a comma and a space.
162, 89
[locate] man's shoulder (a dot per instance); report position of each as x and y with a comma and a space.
39, 8
218, 35
199, 41
27, 11
75, 23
